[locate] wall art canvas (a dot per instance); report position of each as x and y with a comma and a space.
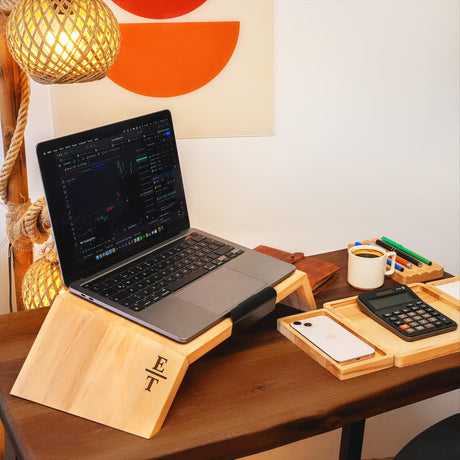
209, 61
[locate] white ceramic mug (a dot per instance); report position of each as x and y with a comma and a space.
367, 266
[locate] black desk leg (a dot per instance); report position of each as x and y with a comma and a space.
351, 443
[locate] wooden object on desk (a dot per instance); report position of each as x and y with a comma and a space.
381, 359
90, 362
414, 274
390, 349
439, 283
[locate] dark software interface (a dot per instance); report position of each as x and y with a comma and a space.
118, 193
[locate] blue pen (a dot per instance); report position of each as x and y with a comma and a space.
397, 266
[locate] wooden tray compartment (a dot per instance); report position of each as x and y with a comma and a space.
413, 274
390, 349
438, 283
404, 353
381, 359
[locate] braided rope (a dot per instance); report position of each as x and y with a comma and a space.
18, 136
6, 6
26, 223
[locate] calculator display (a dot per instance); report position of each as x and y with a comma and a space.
390, 300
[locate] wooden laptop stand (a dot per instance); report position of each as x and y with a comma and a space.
95, 364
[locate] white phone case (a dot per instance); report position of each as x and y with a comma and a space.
333, 339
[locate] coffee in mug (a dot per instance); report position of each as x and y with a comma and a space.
367, 253
367, 266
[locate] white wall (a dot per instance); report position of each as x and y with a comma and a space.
366, 142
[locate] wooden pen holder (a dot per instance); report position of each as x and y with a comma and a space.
92, 363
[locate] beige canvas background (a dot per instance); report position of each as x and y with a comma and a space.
238, 102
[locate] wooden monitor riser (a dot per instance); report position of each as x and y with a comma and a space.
97, 365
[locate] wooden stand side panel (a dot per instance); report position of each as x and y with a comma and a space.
86, 365
296, 292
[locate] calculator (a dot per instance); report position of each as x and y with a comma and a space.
403, 312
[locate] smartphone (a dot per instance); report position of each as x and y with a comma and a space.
333, 339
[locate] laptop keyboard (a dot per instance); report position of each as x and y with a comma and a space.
150, 279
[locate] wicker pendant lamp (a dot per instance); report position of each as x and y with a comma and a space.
63, 41
52, 41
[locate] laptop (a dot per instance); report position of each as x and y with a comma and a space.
118, 211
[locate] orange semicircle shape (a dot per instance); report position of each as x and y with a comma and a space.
163, 9
172, 59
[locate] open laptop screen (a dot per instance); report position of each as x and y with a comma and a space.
112, 192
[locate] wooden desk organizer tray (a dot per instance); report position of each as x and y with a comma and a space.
90, 362
390, 350
413, 274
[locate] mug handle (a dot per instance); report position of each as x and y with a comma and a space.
391, 255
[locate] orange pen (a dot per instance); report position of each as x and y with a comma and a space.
403, 262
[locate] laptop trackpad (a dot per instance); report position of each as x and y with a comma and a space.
221, 290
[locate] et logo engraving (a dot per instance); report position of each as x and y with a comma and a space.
157, 372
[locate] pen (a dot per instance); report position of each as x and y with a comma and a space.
408, 251
397, 266
400, 253
400, 260
403, 262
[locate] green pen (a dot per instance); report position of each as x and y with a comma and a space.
402, 248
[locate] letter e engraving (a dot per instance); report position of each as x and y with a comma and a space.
159, 368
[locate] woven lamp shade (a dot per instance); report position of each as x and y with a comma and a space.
63, 41
42, 283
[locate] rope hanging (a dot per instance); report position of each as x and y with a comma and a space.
26, 223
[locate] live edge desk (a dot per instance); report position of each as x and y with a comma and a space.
254, 392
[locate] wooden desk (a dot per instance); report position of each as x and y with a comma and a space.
254, 392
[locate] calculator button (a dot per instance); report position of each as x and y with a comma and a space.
406, 310
387, 315
429, 326
417, 318
413, 324
404, 327
419, 328
423, 321
403, 316
396, 312
393, 318
419, 312
438, 323
426, 315
432, 319
444, 319
412, 313
410, 331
